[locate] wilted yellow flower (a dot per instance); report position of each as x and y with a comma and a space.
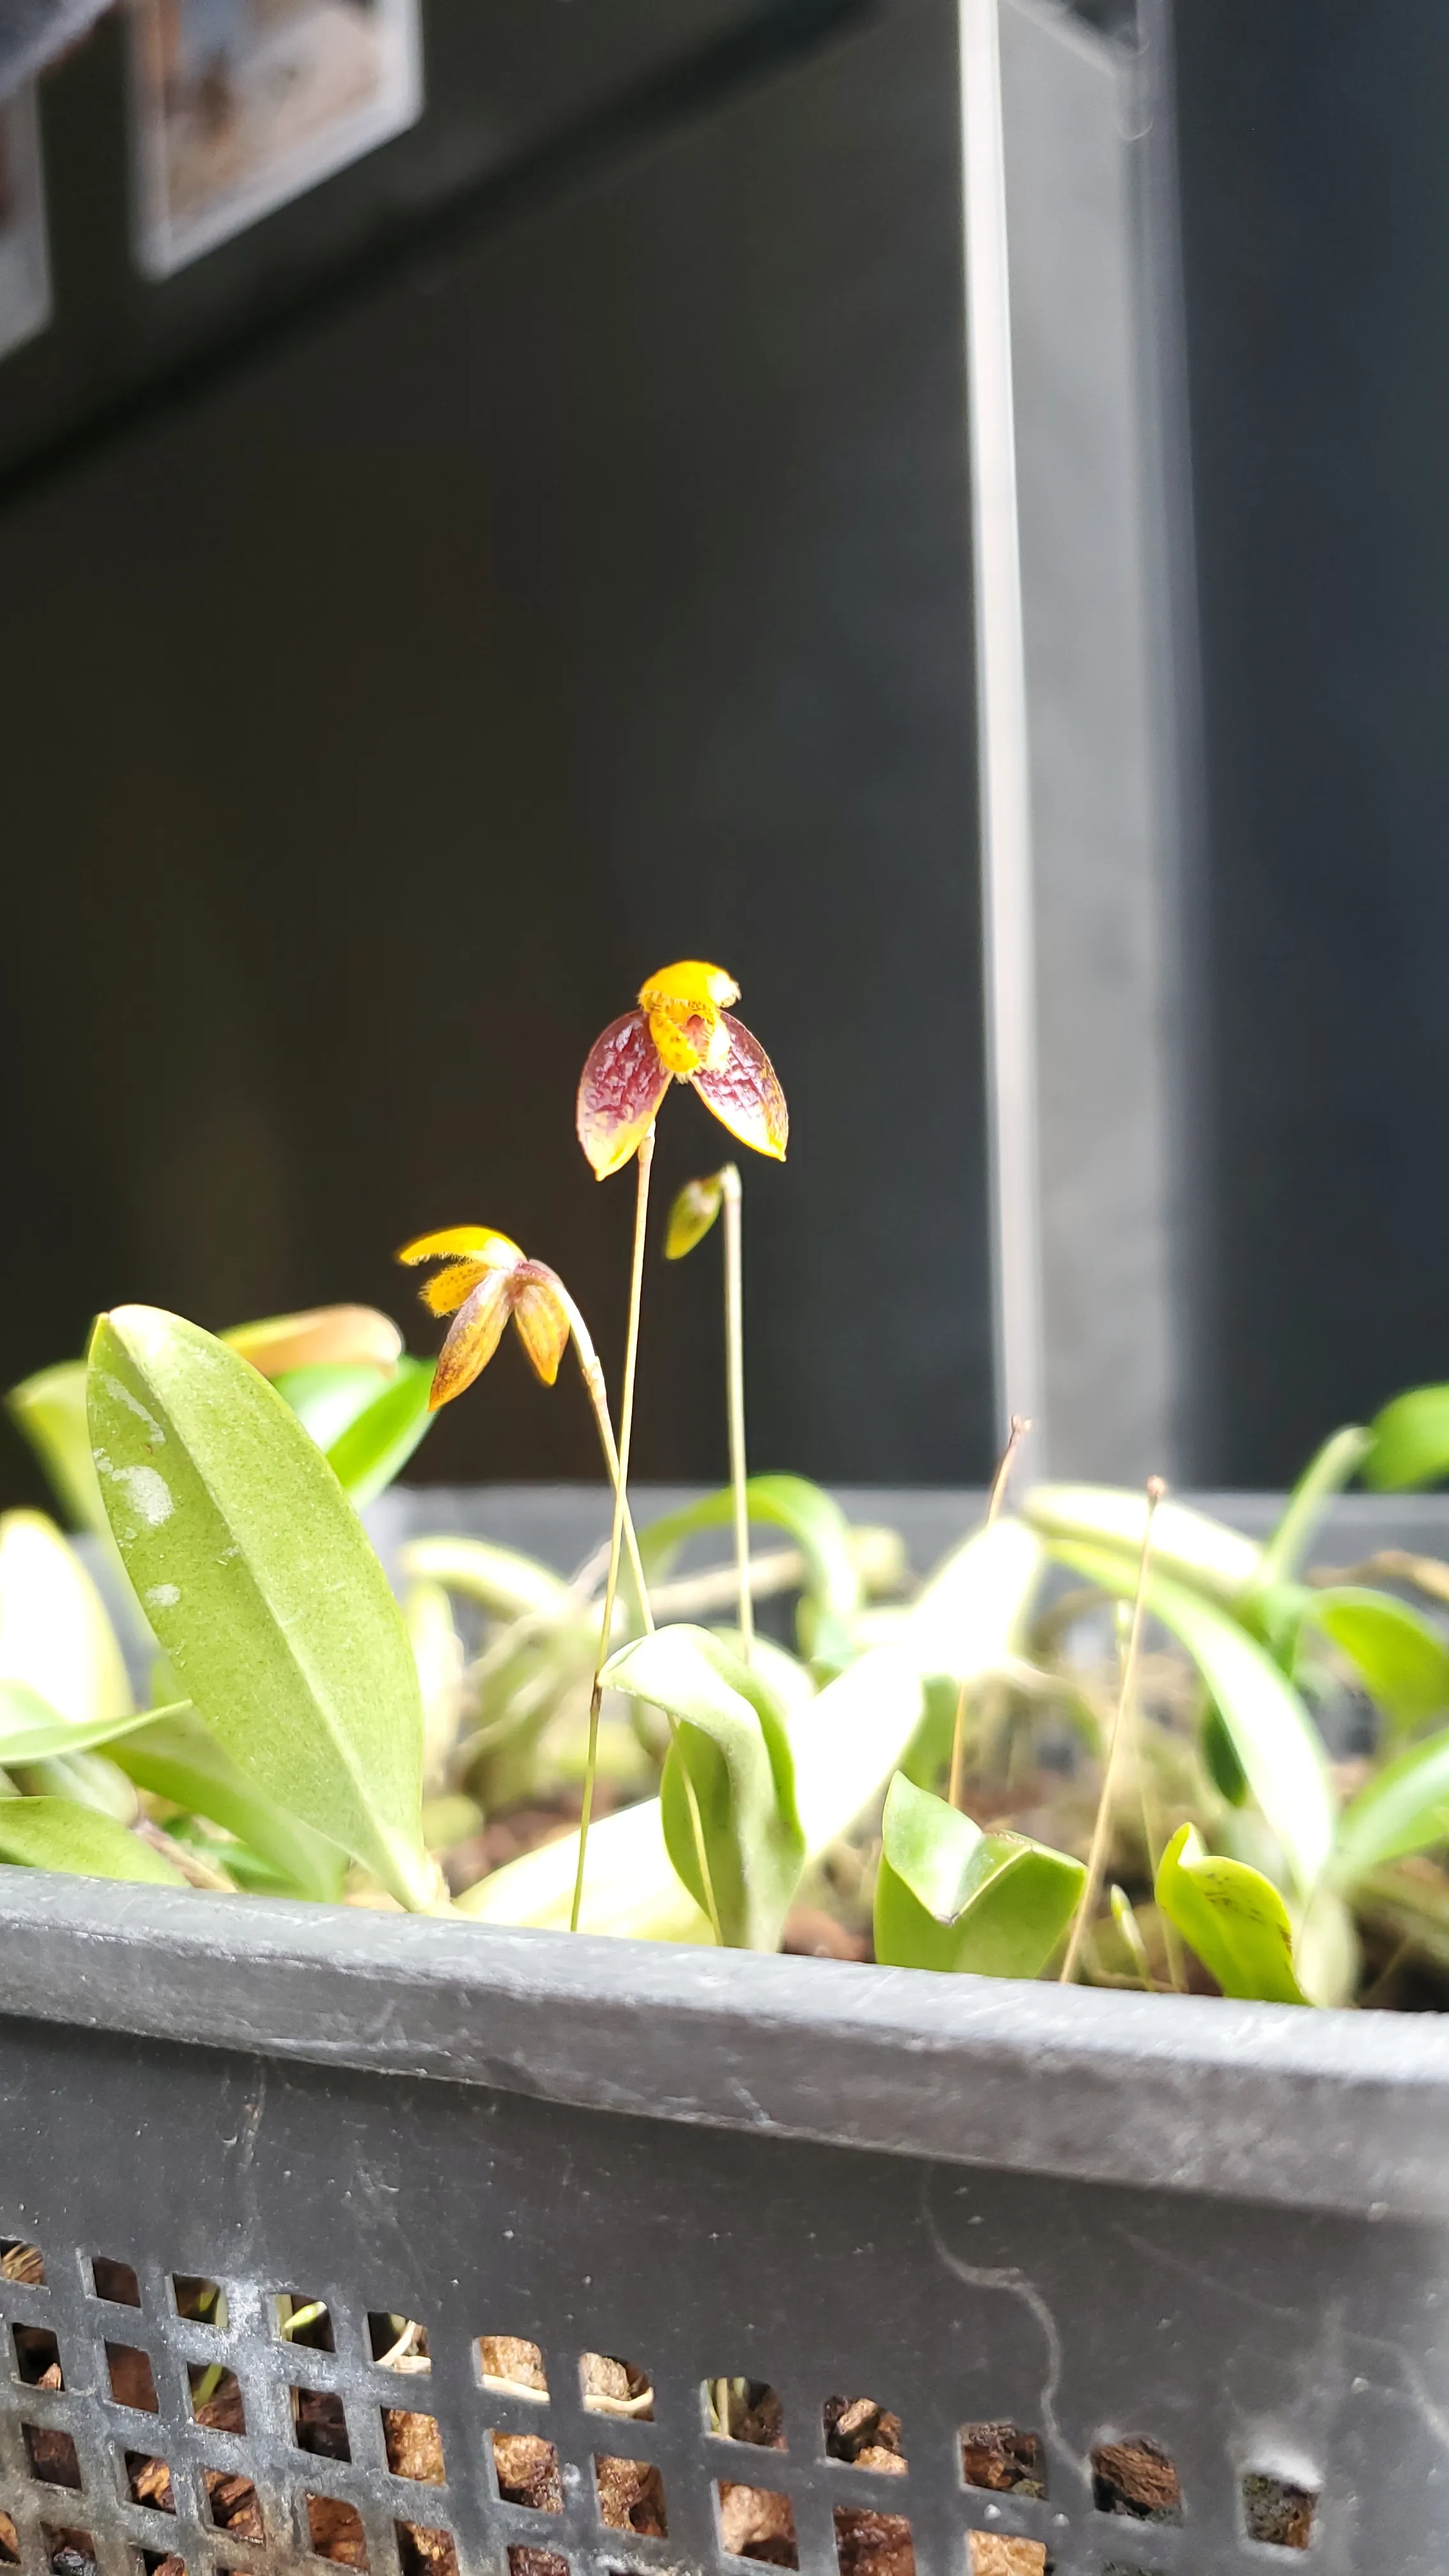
487, 1279
681, 1031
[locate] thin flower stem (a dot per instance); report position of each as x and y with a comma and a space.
1096, 1857
1015, 1436
645, 1160
734, 1298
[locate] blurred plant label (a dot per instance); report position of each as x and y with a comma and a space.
240, 105
24, 258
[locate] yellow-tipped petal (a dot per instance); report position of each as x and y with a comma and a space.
444, 1293
692, 1215
472, 1242
541, 1317
623, 1081
473, 1339
745, 1093
691, 983
352, 1333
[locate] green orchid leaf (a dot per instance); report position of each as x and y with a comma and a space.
56, 1833
1269, 1727
377, 1443
1410, 1442
501, 1580
55, 1636
320, 1335
951, 1897
50, 1410
174, 1755
262, 1587
1233, 1918
30, 1731
731, 1740
1399, 1655
966, 1623
1220, 1758
1326, 1475
329, 1394
1404, 1809
1188, 1546
832, 1591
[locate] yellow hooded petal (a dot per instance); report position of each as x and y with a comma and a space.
474, 1242
682, 1005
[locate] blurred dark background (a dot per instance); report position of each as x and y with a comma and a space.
539, 554
542, 551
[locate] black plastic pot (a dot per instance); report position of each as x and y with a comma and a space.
1192, 2254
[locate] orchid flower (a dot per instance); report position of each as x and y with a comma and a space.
682, 1031
486, 1280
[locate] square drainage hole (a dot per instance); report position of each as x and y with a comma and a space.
526, 2561
301, 2320
414, 2446
1278, 2512
115, 2281
334, 2530
612, 2387
1136, 2478
37, 2357
397, 2343
231, 2502
754, 2523
873, 2544
22, 2262
51, 2456
200, 2300
1004, 2459
133, 2381
995, 2553
148, 2481
319, 2423
631, 2496
216, 2398
512, 2364
423, 2552
863, 2432
71, 2552
744, 2410
527, 2471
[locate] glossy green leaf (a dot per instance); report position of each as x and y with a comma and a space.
55, 1636
1234, 1919
1400, 1656
174, 1755
262, 1587
50, 1409
1325, 1475
820, 1530
1410, 1441
323, 1335
732, 1740
329, 1394
1403, 1809
503, 1581
377, 1444
56, 1833
949, 1896
1270, 1729
965, 1623
1188, 1546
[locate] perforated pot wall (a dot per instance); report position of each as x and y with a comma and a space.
1102, 2222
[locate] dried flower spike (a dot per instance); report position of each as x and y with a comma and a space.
681, 1032
486, 1280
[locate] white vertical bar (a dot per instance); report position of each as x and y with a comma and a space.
1004, 789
